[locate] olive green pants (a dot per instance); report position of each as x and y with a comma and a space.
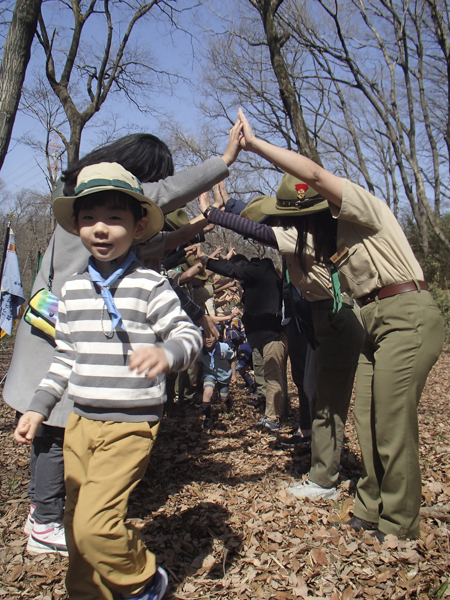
104, 461
339, 337
404, 337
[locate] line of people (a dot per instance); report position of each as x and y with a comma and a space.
349, 280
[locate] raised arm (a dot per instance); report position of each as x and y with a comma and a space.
299, 166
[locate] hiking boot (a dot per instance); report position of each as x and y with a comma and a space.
46, 538
30, 520
309, 489
154, 590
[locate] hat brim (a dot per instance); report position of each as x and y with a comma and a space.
269, 207
253, 210
63, 211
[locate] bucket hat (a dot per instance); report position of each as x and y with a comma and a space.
253, 210
102, 177
294, 198
176, 219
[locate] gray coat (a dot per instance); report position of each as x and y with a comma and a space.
33, 354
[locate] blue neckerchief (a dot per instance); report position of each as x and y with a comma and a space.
215, 350
104, 285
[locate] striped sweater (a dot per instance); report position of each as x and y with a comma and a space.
95, 367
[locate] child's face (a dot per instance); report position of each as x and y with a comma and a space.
108, 232
209, 342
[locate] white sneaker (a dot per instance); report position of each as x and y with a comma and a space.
309, 489
30, 520
47, 537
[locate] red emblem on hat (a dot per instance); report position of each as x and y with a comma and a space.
301, 190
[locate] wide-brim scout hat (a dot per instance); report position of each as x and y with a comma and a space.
294, 198
176, 219
253, 210
103, 177
190, 262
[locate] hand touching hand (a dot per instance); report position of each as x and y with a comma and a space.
248, 138
233, 147
204, 201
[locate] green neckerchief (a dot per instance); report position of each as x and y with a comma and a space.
336, 287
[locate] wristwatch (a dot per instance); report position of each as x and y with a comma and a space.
207, 211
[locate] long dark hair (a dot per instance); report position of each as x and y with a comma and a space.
143, 154
323, 229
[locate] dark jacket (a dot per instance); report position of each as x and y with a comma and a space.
262, 296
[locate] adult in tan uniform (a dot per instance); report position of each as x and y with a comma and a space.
404, 337
338, 333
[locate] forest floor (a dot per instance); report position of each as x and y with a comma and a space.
214, 510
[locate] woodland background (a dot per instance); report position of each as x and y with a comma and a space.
360, 86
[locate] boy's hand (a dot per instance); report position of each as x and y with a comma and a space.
152, 359
27, 426
233, 380
233, 147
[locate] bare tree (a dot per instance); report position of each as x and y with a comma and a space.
371, 81
16, 55
97, 68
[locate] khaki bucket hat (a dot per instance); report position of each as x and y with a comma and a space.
176, 219
253, 210
294, 198
100, 178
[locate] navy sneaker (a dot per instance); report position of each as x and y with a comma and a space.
154, 590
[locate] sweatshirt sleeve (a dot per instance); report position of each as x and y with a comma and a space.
176, 191
52, 387
246, 227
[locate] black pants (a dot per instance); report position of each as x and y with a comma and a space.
46, 490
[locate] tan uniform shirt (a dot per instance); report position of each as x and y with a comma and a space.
315, 284
375, 251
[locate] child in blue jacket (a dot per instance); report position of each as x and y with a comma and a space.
219, 368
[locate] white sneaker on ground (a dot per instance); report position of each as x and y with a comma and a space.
309, 489
47, 537
30, 520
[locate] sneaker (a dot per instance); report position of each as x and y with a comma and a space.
297, 440
229, 404
261, 423
154, 590
30, 520
264, 423
47, 537
309, 489
272, 425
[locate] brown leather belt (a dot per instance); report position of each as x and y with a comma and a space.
391, 290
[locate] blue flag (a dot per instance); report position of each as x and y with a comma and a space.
11, 287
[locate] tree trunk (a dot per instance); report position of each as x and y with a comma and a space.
16, 55
267, 10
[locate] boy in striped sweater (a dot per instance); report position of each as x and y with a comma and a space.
120, 329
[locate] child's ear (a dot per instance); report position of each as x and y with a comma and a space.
141, 226
75, 224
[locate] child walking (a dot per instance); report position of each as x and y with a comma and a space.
120, 328
219, 368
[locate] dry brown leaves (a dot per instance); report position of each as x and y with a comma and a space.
214, 510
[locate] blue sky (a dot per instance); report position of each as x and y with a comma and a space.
174, 52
